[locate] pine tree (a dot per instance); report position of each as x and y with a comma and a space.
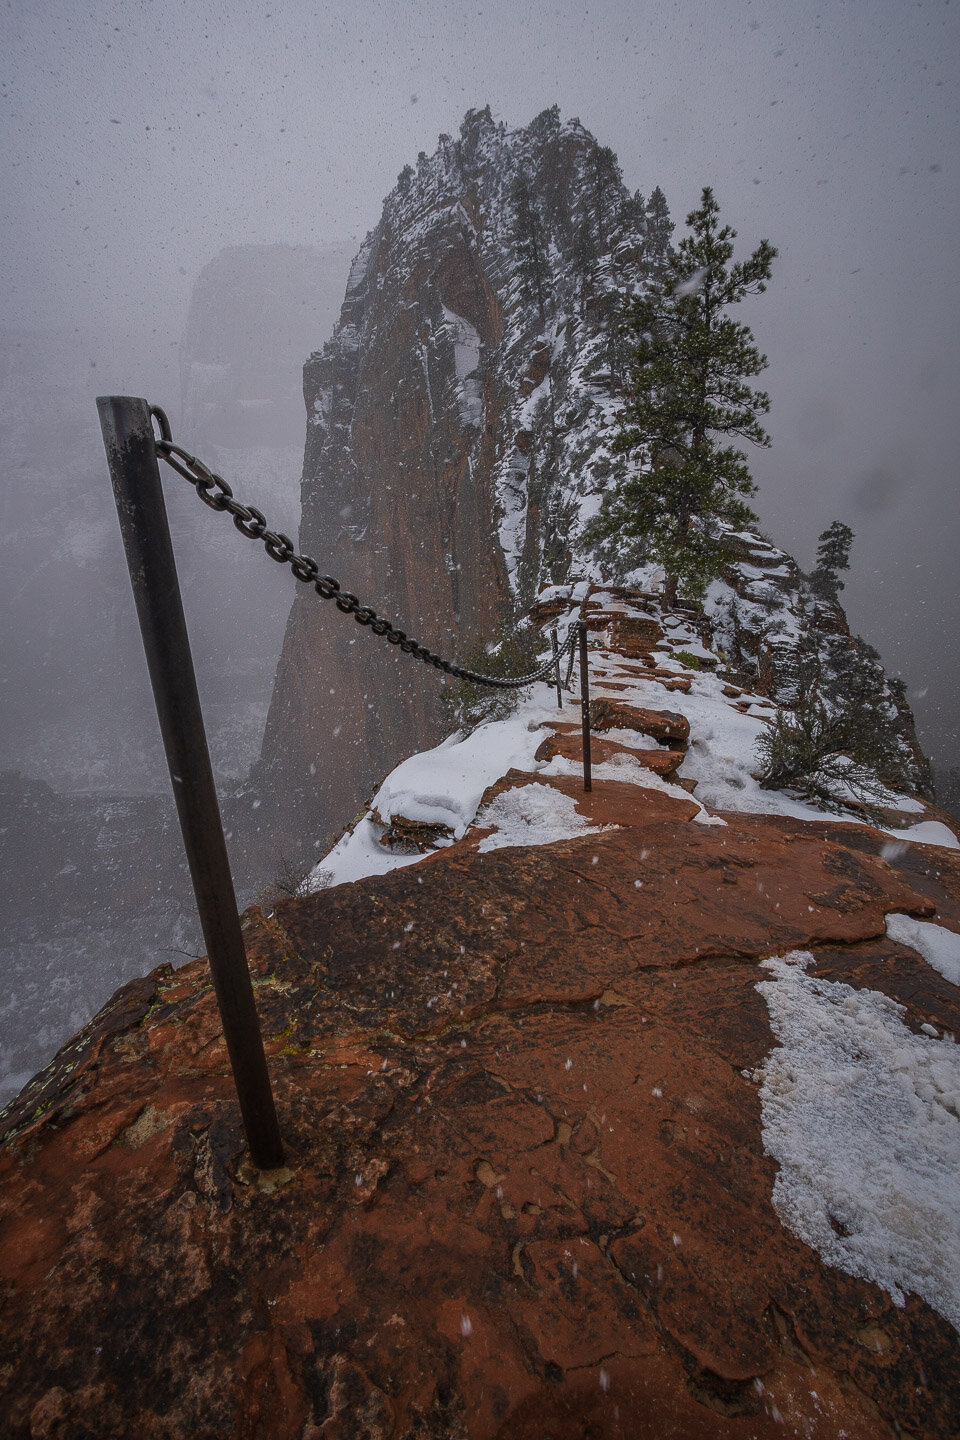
687, 386
606, 183
659, 228
833, 555
530, 241
585, 255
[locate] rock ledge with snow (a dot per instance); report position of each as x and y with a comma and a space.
627, 1113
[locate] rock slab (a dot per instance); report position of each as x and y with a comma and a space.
526, 1191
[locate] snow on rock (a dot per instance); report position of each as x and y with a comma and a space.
938, 946
722, 756
532, 815
928, 832
444, 786
862, 1117
466, 350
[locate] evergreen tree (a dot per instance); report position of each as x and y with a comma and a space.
530, 241
659, 228
609, 309
844, 734
833, 555
585, 254
687, 386
606, 183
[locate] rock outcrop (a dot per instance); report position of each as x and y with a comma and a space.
457, 419
525, 1094
459, 441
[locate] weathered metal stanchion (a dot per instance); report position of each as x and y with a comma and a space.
556, 667
131, 454
585, 707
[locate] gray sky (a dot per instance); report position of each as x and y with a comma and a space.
140, 139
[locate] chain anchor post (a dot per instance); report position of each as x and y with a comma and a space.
585, 707
130, 445
556, 667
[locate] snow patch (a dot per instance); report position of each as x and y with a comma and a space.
446, 785
928, 832
466, 344
861, 1115
532, 815
440, 786
466, 359
355, 856
938, 946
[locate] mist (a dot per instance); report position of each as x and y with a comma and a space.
185, 187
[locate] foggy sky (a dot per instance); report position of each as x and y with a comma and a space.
138, 140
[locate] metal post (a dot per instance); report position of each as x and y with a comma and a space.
131, 454
556, 668
585, 707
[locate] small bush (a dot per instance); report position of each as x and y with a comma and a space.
515, 652
808, 752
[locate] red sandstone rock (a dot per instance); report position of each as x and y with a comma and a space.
569, 744
633, 635
658, 724
476, 1235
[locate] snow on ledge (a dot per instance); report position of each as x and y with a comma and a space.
441, 786
445, 785
861, 1116
534, 814
938, 946
927, 832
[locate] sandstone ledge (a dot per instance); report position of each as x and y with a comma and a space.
495, 1225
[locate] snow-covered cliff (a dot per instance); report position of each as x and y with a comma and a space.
459, 440
458, 428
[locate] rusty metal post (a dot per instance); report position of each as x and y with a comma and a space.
131, 454
556, 668
585, 707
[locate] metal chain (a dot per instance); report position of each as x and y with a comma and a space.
214, 491
575, 629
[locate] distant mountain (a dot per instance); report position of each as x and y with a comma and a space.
255, 311
70, 642
84, 908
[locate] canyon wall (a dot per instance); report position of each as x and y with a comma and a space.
456, 421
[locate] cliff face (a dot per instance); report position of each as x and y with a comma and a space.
629, 1113
458, 440
454, 419
254, 311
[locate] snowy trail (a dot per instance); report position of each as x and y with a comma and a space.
444, 787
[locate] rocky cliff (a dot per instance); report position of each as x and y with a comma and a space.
623, 1114
457, 422
254, 312
458, 440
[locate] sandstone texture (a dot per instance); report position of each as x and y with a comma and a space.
526, 1191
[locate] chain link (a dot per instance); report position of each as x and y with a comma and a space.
215, 492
